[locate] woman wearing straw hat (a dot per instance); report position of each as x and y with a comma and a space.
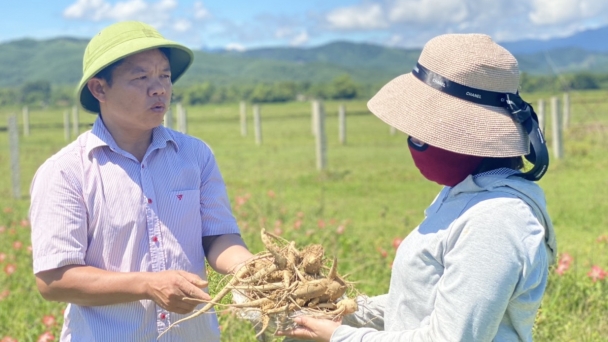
476, 268
124, 217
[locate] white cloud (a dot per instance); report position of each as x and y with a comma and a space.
200, 12
403, 23
157, 14
295, 36
411, 23
283, 32
365, 16
553, 12
235, 47
428, 11
182, 25
130, 9
395, 40
83, 8
300, 39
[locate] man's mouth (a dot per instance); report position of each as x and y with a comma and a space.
158, 106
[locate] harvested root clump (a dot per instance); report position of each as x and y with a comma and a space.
283, 282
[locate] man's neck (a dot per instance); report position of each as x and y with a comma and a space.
133, 141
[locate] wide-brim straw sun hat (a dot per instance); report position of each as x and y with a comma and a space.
449, 122
121, 40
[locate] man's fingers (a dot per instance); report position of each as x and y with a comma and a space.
180, 306
196, 293
183, 308
194, 279
193, 285
171, 287
195, 300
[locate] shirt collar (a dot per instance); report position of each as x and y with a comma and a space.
100, 136
500, 171
478, 182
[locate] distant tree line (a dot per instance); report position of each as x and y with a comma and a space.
43, 93
38, 93
342, 87
563, 82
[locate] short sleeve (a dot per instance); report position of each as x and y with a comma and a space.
216, 214
58, 217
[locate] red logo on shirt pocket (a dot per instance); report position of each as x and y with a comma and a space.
179, 197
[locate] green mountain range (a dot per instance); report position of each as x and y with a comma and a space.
59, 61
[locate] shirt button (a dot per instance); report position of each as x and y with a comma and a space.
162, 316
149, 200
143, 166
155, 239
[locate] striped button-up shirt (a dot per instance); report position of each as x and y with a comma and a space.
94, 204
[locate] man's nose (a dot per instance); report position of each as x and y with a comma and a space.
157, 88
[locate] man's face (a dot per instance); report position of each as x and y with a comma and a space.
140, 92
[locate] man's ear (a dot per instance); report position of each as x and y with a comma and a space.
97, 88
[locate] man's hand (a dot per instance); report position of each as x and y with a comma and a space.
90, 286
168, 288
311, 329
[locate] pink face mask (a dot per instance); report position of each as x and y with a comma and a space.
441, 166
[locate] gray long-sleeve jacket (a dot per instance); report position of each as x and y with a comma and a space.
474, 270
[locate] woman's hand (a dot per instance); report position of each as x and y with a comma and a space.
311, 329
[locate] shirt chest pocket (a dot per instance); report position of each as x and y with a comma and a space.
182, 214
181, 231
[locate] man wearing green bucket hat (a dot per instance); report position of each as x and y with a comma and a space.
124, 217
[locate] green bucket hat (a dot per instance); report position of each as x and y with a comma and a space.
118, 41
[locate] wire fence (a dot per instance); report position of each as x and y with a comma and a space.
562, 117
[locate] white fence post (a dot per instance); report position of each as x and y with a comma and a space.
257, 124
566, 118
26, 121
558, 151
321, 139
182, 121
66, 125
313, 117
342, 124
75, 121
540, 112
243, 115
168, 119
14, 150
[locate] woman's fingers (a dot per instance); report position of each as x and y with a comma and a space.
311, 329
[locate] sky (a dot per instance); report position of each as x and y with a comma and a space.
240, 24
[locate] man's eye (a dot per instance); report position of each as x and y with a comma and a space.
166, 76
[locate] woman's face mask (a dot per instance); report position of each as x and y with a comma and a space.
441, 166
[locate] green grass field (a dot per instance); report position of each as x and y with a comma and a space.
370, 194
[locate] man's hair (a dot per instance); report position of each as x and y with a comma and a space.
106, 73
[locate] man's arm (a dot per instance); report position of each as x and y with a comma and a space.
225, 253
90, 286
223, 245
